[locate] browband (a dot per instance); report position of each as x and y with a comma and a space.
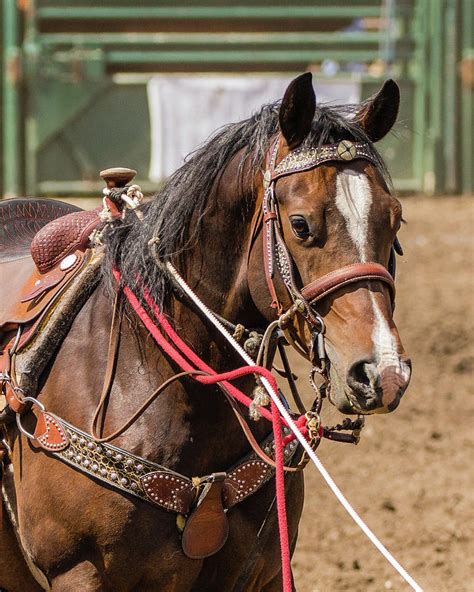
303, 159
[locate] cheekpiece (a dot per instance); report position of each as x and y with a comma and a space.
303, 159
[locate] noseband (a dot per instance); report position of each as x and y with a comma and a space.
275, 251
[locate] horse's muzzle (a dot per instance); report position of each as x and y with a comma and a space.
377, 388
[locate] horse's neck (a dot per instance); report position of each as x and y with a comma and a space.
201, 420
216, 268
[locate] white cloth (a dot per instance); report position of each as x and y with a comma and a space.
186, 110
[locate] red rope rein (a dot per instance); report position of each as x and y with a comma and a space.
174, 347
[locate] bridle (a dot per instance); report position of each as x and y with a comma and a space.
277, 257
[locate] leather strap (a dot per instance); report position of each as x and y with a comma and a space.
262, 454
270, 224
350, 274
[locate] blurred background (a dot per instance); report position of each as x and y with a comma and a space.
89, 85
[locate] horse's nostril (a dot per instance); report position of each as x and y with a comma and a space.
363, 376
377, 385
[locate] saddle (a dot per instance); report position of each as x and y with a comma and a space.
44, 246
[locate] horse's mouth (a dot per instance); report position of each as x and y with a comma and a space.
350, 403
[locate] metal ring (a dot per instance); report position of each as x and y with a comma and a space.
12, 350
5, 376
18, 416
322, 326
6, 445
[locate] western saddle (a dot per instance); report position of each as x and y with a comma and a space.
44, 245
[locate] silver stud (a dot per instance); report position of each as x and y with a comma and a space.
68, 262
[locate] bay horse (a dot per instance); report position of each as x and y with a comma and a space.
336, 213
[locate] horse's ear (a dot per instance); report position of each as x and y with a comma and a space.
297, 110
379, 113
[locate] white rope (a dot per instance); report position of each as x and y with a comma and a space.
291, 424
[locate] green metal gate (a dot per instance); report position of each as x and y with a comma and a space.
74, 77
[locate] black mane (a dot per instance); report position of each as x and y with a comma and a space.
185, 197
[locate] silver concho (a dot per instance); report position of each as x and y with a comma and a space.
346, 150
68, 262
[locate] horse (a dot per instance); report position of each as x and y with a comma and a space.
333, 210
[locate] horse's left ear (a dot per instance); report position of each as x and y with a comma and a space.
379, 113
297, 110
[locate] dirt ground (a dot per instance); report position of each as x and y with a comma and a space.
411, 476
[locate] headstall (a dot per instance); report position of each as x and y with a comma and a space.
276, 254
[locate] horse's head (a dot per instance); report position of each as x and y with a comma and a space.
333, 214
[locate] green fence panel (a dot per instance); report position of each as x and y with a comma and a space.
74, 77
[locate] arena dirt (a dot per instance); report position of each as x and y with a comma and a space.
411, 476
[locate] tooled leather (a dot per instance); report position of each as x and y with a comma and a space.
49, 433
171, 492
62, 237
43, 284
16, 307
356, 272
22, 219
177, 494
245, 480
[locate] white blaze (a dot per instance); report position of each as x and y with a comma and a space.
354, 200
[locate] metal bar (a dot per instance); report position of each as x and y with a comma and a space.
420, 64
11, 100
450, 98
237, 56
350, 37
141, 78
467, 100
31, 52
434, 170
206, 12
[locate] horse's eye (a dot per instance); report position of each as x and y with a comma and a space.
300, 226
